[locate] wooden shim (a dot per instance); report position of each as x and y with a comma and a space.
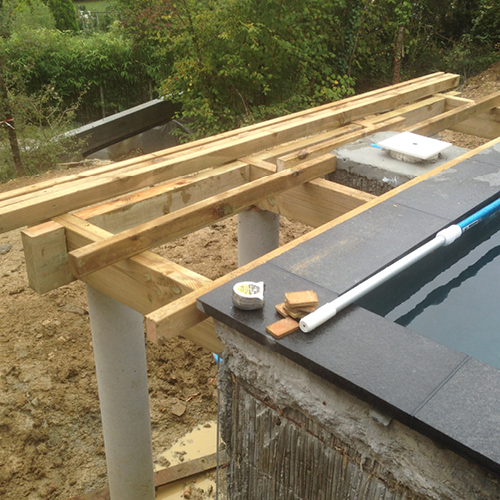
322, 148
158, 231
164, 476
34, 209
186, 306
451, 118
314, 203
158, 156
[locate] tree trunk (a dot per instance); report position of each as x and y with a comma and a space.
398, 55
6, 114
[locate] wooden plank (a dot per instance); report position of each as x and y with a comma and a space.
178, 150
314, 203
158, 231
137, 208
34, 209
185, 308
164, 476
454, 116
396, 123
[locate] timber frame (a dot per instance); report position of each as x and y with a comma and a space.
99, 226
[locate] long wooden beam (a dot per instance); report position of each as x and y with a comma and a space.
14, 196
324, 147
158, 231
454, 116
33, 209
184, 310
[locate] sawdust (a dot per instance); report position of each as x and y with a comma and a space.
51, 444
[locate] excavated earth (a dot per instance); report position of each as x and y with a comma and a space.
51, 444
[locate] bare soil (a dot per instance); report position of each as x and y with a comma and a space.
51, 444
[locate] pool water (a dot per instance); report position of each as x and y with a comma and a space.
452, 296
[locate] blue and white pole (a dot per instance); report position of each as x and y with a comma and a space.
444, 237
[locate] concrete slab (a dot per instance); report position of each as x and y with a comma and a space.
361, 158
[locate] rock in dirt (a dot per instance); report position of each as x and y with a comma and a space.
5, 249
178, 409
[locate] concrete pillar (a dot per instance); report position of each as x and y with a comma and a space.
258, 234
120, 358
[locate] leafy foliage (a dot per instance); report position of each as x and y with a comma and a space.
64, 14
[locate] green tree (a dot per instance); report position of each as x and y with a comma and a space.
64, 14
238, 62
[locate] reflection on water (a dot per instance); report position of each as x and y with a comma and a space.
451, 296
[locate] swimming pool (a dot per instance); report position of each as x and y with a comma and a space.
451, 296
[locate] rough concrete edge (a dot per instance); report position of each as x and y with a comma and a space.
414, 460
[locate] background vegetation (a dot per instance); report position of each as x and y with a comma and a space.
229, 62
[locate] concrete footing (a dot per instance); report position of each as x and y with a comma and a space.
120, 357
291, 435
258, 234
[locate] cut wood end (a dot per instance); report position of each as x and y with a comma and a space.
151, 331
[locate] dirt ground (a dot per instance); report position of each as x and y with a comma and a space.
51, 445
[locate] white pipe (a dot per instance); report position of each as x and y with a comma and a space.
329, 310
258, 234
120, 358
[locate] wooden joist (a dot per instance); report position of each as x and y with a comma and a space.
36, 206
485, 125
451, 118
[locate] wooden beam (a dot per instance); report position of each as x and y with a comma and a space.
163, 476
137, 208
314, 203
46, 255
485, 125
169, 227
144, 282
185, 311
454, 116
140, 282
324, 147
33, 209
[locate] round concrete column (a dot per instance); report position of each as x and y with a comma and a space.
258, 234
120, 358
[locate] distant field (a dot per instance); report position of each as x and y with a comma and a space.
98, 5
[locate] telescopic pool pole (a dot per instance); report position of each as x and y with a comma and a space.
444, 237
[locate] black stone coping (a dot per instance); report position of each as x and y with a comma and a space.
444, 394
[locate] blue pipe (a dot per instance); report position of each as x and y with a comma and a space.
477, 217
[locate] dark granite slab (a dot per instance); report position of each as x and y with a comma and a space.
490, 155
371, 357
465, 413
354, 250
453, 193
